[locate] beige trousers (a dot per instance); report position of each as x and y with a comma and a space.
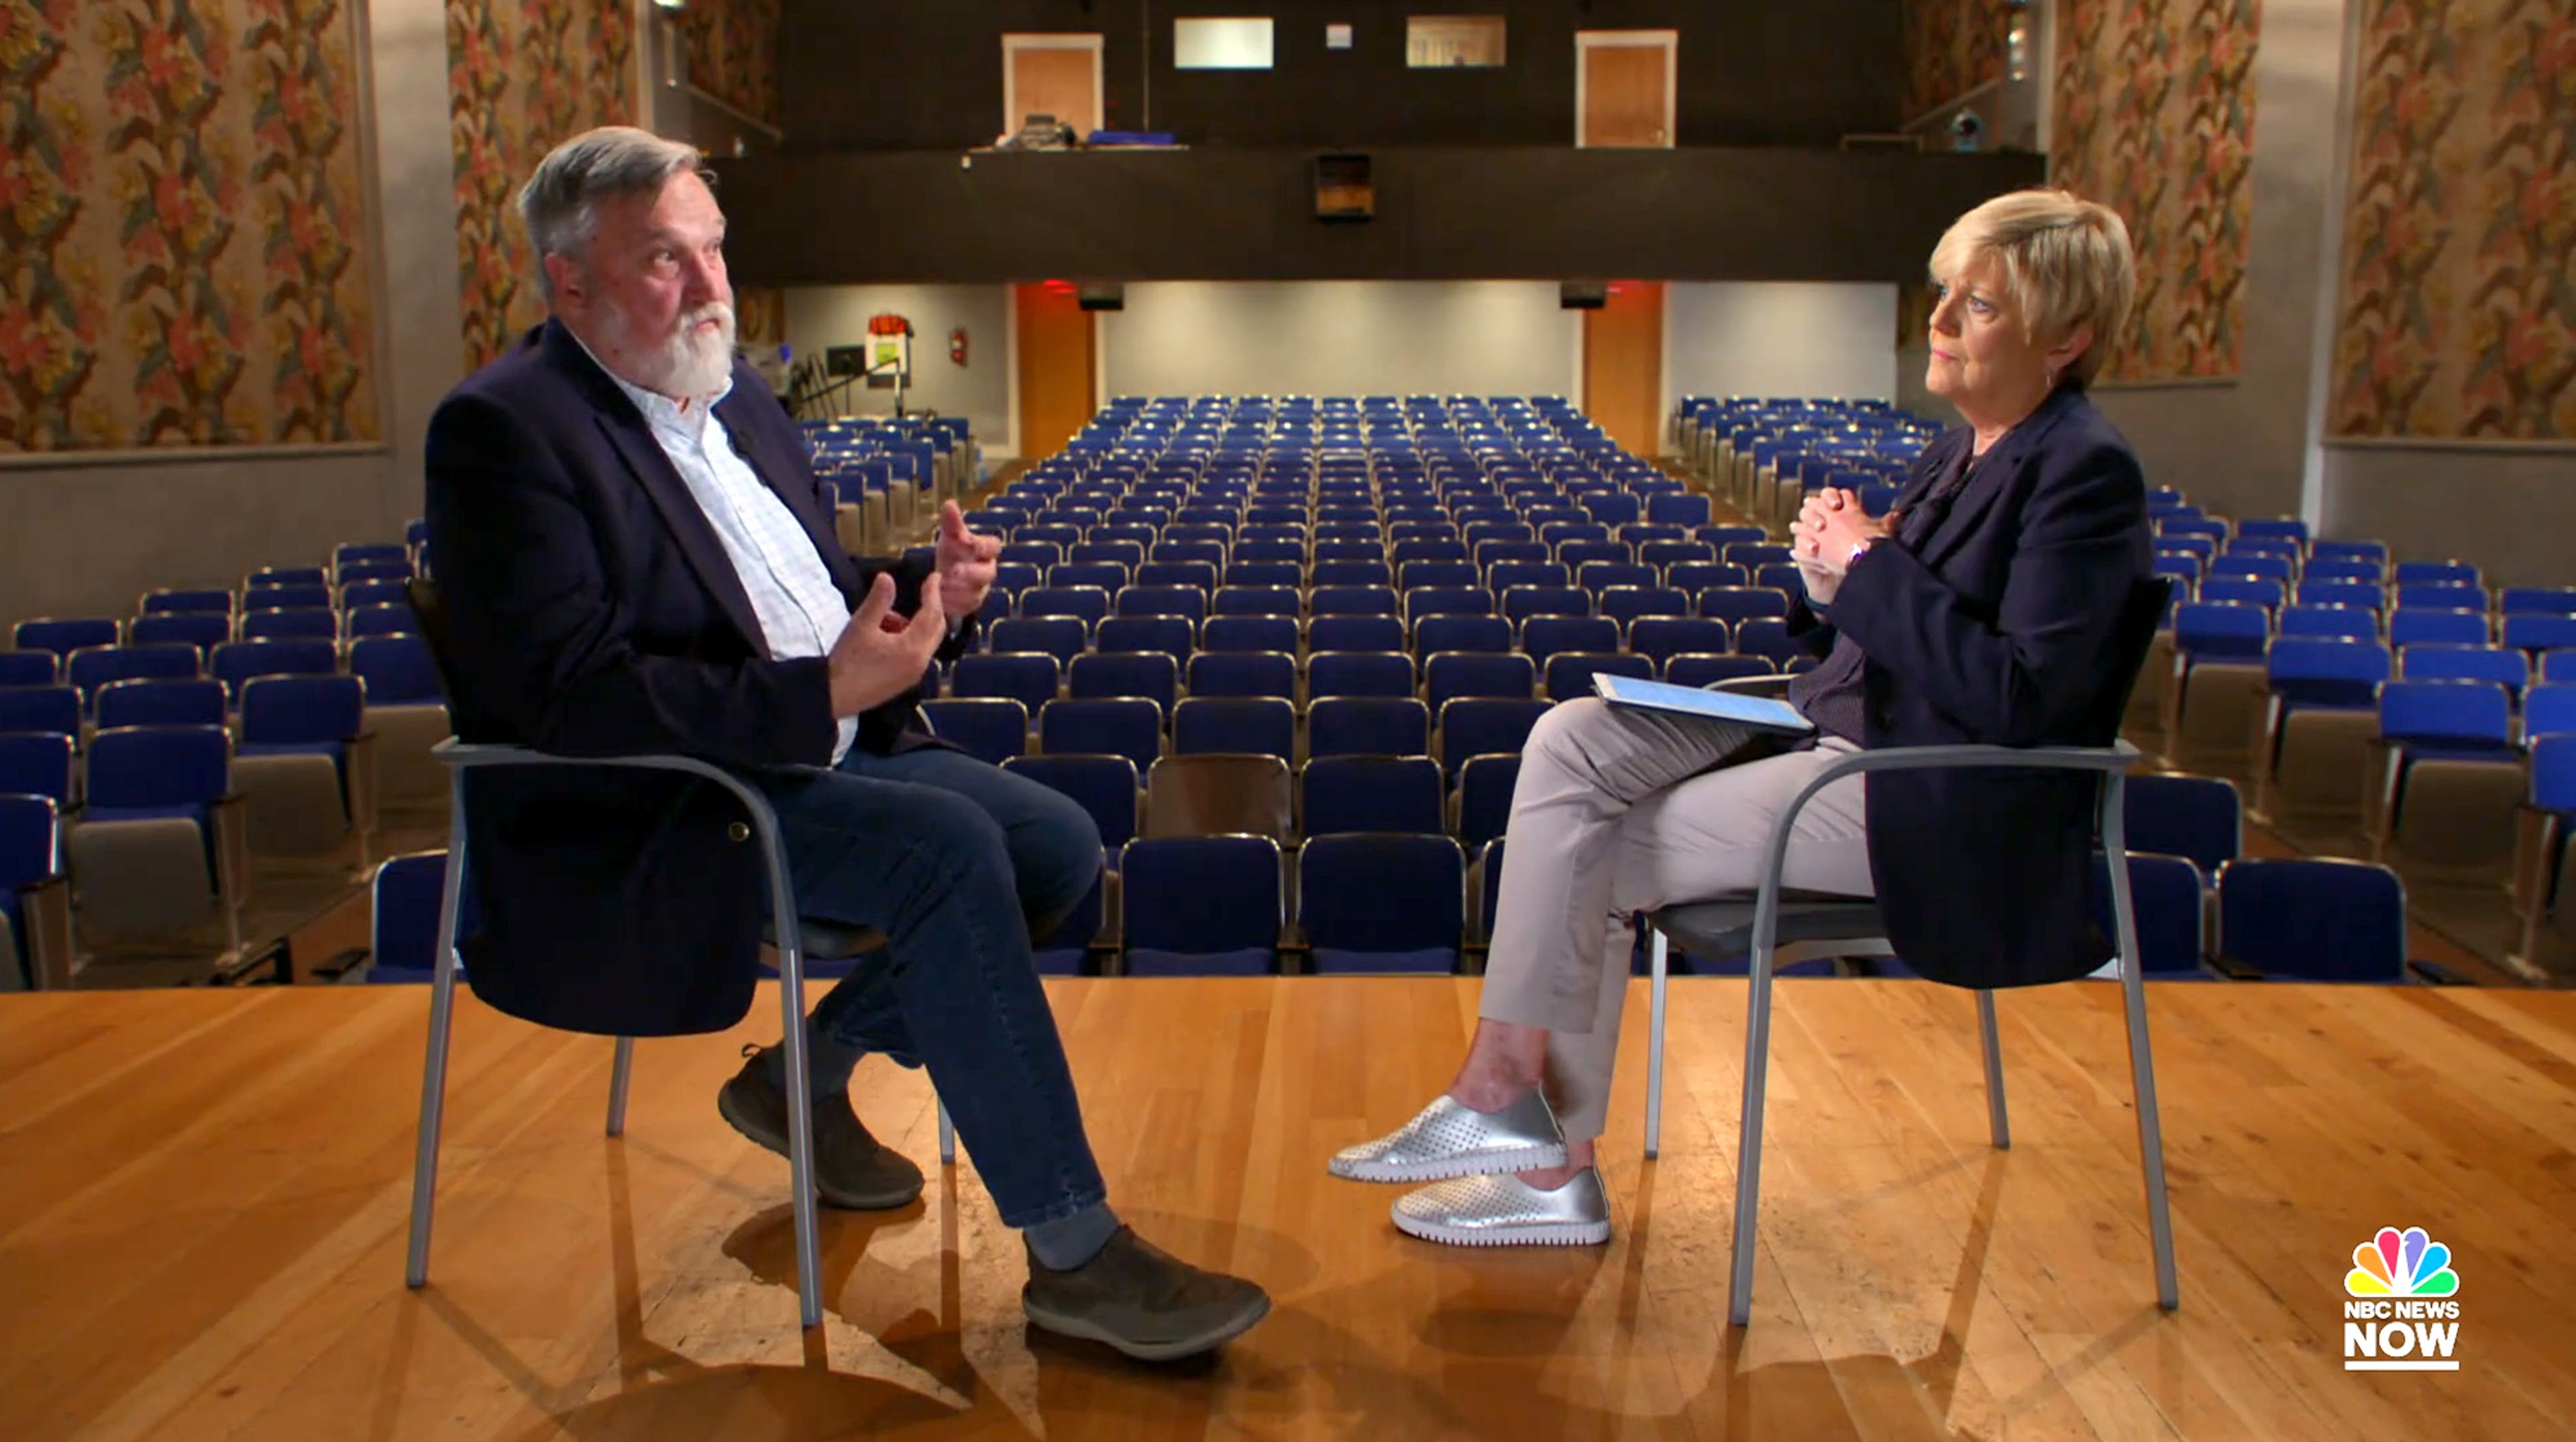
1619, 811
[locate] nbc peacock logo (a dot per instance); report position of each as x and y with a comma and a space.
2398, 1314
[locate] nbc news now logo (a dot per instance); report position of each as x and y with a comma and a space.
2399, 1315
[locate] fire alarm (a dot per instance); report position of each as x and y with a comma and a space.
957, 345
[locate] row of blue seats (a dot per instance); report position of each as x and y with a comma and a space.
395, 670
165, 754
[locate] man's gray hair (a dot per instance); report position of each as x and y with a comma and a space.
560, 203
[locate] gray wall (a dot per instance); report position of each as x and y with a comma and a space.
2507, 509
1342, 338
1778, 338
88, 536
819, 317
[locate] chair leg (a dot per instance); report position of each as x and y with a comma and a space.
1748, 1161
947, 1138
800, 1123
433, 1071
2142, 1061
1997, 1122
2151, 1136
1659, 952
618, 1072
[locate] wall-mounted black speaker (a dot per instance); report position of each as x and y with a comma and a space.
1583, 295
1344, 188
1103, 295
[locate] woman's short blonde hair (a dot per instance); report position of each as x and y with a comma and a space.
2065, 261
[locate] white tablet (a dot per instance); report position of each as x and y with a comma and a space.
1760, 712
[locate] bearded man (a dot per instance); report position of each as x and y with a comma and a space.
634, 557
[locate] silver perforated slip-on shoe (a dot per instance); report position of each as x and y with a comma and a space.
1504, 1211
1448, 1139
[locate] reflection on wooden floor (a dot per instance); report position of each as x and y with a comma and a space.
203, 1194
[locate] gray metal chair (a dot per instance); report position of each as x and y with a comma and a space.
795, 942
1771, 933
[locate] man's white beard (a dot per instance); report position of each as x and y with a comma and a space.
686, 364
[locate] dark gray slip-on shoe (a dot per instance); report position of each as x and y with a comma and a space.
1143, 1301
851, 1168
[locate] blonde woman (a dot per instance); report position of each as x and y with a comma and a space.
1982, 609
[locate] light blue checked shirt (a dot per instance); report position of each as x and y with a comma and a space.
801, 612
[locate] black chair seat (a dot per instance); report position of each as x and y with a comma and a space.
824, 941
1723, 930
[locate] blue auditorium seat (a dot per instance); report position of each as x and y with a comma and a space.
1030, 678
1380, 902
1251, 633
160, 603
39, 763
1451, 674
2170, 897
2539, 631
398, 670
1485, 785
2421, 626
1570, 673
2509, 669
1244, 673
1624, 604
1435, 634
1543, 637
2199, 818
1110, 725
1738, 604
1768, 636
1106, 787
1367, 726
161, 701
204, 630
1065, 638
1154, 675
1483, 726
1660, 638
1168, 635
31, 856
65, 636
990, 728
2313, 919
94, 667
1371, 793
1359, 673
1265, 725
1257, 601
1201, 905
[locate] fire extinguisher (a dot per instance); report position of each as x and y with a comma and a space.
957, 345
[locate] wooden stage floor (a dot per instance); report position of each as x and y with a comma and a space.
203, 1197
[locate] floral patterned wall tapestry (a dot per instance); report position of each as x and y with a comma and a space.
2458, 314
2154, 117
1951, 48
731, 47
522, 77
182, 226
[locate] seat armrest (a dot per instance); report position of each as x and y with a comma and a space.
361, 782
2434, 973
228, 816
2109, 762
46, 907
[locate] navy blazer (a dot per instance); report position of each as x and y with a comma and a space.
2015, 622
591, 610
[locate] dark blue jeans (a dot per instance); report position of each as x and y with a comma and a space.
954, 860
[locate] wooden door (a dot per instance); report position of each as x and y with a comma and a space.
1623, 365
1057, 359
1056, 75
1624, 87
